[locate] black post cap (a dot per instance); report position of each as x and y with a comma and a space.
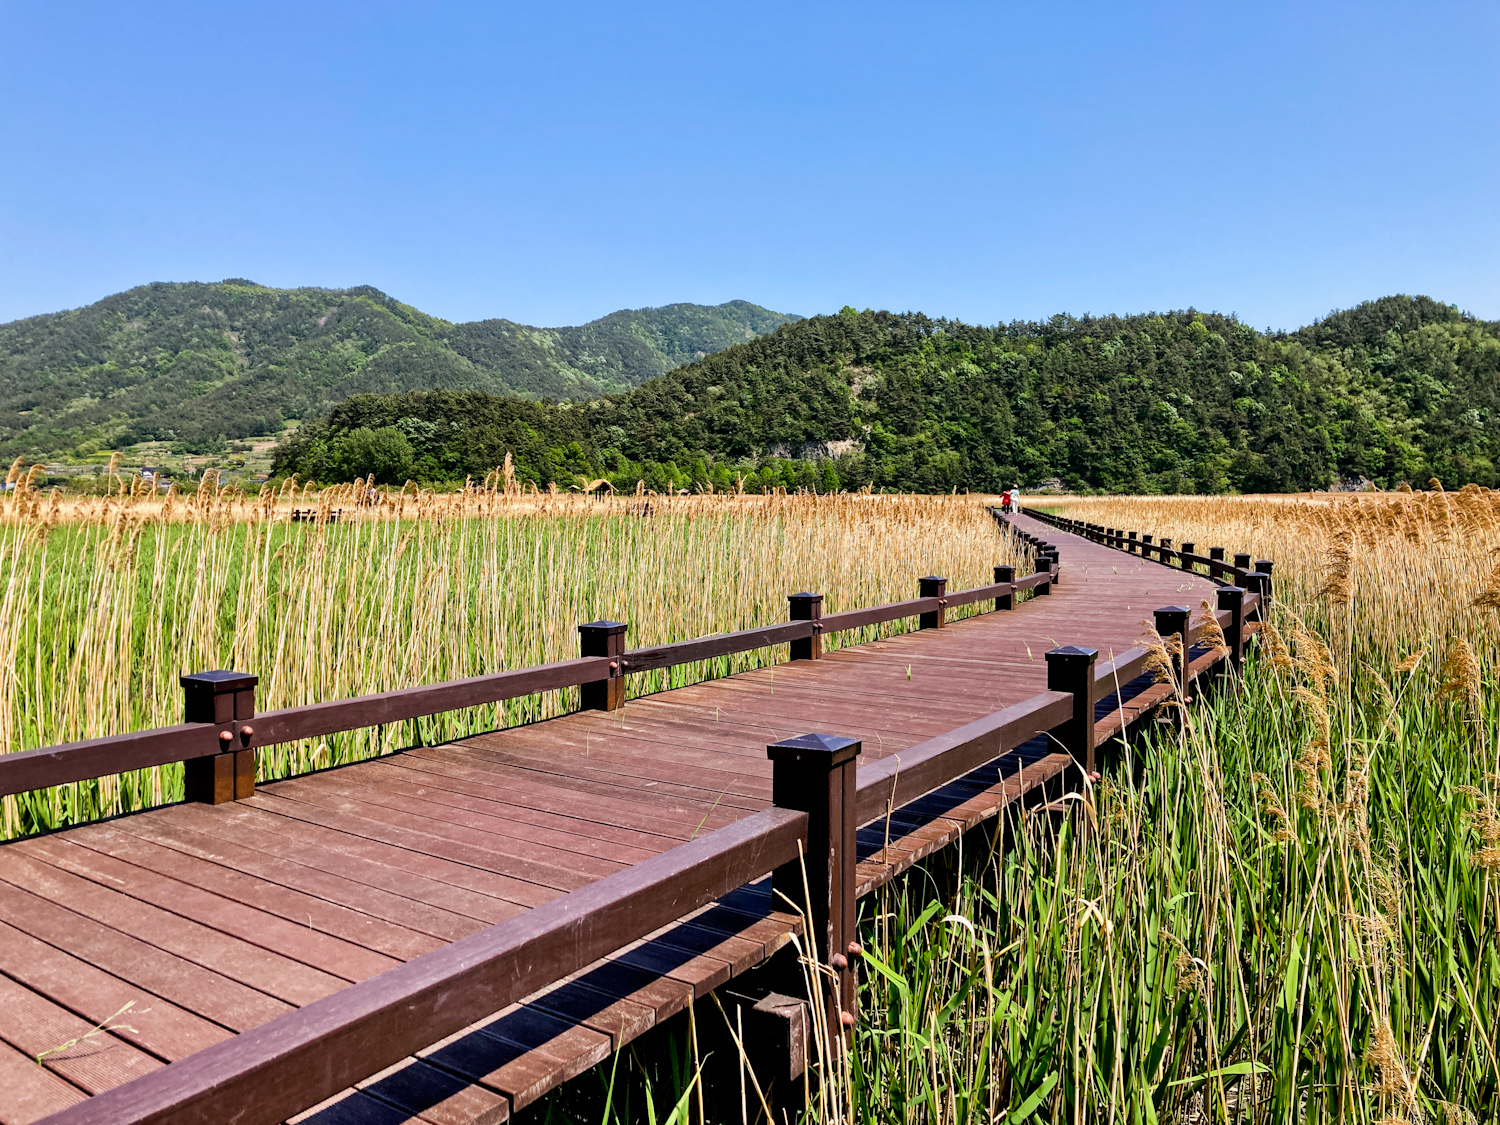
217, 683
607, 628
829, 749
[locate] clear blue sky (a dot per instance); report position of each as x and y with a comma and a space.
551, 162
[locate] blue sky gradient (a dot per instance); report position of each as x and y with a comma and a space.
552, 163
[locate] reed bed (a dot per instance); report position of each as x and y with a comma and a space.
104, 603
1287, 909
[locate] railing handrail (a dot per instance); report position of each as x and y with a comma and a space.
1218, 568
278, 1069
902, 777
26, 770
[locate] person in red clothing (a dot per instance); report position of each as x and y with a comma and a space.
1005, 501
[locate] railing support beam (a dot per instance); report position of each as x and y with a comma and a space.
815, 774
933, 587
1071, 669
807, 607
1005, 574
603, 638
221, 697
1232, 598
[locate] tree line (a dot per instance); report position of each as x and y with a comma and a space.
1399, 389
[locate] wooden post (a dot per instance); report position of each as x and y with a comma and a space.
815, 774
1232, 598
931, 587
1132, 545
225, 698
1071, 669
1146, 541
807, 607
1005, 574
1258, 583
1187, 549
603, 638
1172, 620
1264, 567
1043, 566
1056, 561
1216, 553
1242, 561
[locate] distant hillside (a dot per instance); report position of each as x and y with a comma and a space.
1404, 388
196, 364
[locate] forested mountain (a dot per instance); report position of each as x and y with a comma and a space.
196, 364
1404, 388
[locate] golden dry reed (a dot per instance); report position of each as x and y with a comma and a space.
105, 602
1389, 573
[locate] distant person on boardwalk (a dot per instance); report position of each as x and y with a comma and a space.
1015, 499
1005, 501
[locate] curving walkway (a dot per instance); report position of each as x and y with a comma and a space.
180, 926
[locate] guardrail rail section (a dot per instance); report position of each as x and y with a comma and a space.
396, 934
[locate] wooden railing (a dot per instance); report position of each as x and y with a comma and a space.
221, 731
1255, 577
806, 840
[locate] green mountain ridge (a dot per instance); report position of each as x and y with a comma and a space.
201, 363
1398, 389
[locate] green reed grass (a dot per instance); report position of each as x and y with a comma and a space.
1250, 935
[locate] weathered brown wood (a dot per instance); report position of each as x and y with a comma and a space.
224, 868
876, 615
254, 845
301, 943
266, 971
155, 1025
996, 590
98, 757
36, 1025
489, 872
30, 1091
816, 775
1070, 669
544, 863
723, 644
183, 982
807, 607
903, 777
275, 1070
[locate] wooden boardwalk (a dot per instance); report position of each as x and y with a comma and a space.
179, 927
